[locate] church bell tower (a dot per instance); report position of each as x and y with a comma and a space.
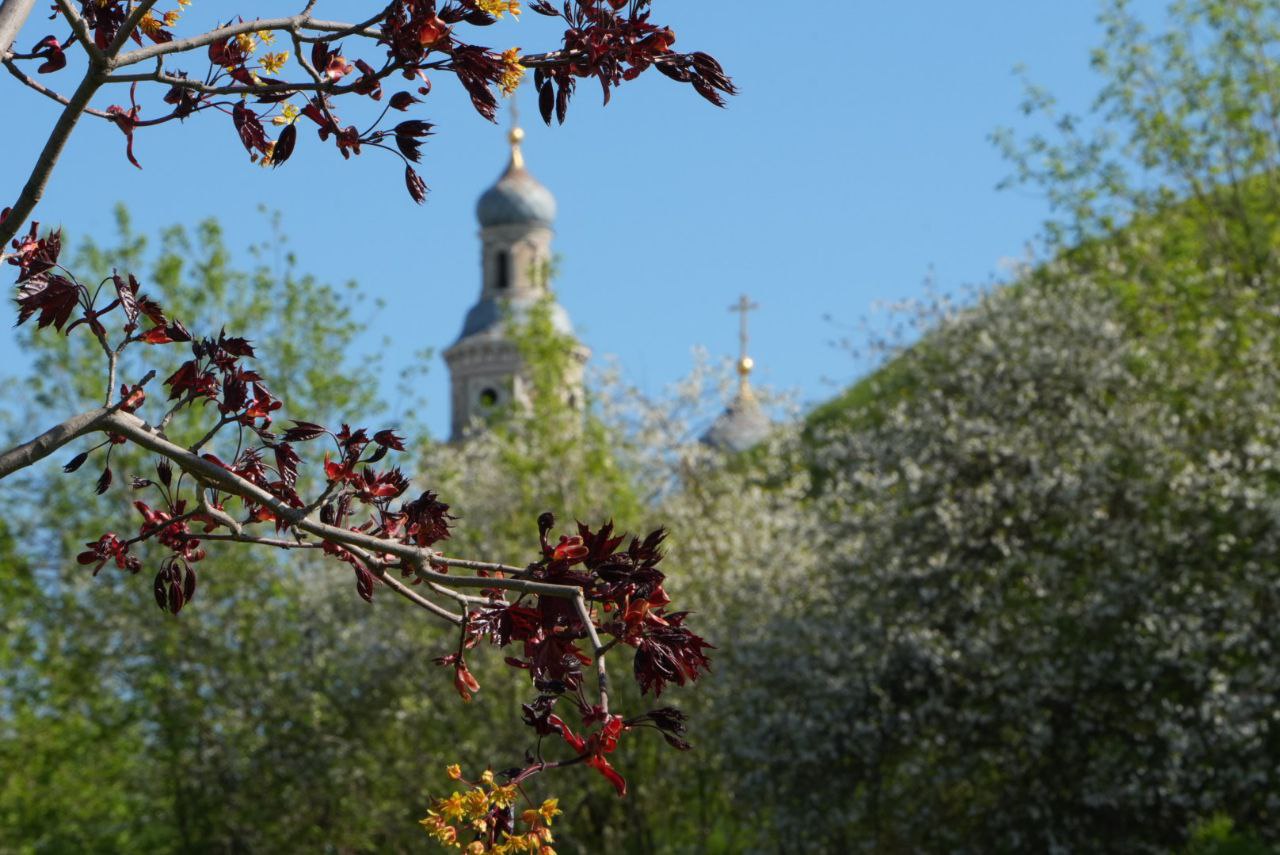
485, 367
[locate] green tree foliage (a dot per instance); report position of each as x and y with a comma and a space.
1048, 621
276, 716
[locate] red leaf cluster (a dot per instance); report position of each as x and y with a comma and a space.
612, 41
606, 584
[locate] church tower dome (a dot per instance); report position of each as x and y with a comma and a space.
743, 423
485, 367
518, 198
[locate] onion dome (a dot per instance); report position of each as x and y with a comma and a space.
518, 198
744, 423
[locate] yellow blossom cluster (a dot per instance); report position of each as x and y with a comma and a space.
152, 25
273, 62
288, 115
497, 7
512, 71
248, 42
472, 813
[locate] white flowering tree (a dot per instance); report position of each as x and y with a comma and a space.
1046, 618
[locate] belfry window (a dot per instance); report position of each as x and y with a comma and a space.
503, 269
489, 398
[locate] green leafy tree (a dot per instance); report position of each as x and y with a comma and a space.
1046, 620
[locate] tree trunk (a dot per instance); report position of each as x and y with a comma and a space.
13, 15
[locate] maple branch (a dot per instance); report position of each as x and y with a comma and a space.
81, 29
274, 542
22, 456
112, 420
404, 590
35, 450
130, 24
390, 581
243, 90
301, 57
230, 31
467, 564
221, 423
336, 30
211, 474
31, 82
598, 650
413, 597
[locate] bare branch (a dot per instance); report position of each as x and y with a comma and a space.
51, 440
81, 29
130, 24
273, 542
598, 650
413, 597
46, 91
485, 566
230, 31
336, 29
207, 472
221, 423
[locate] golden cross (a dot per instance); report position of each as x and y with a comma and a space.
744, 306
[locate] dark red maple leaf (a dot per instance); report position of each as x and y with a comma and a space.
33, 254
54, 297
669, 653
284, 145
249, 128
427, 519
50, 49
127, 122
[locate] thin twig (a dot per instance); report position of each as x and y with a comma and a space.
221, 33
598, 650
31, 82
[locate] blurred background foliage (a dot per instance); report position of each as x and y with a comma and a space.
1018, 590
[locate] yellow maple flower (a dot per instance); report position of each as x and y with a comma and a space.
273, 62
453, 808
512, 71
288, 115
247, 43
503, 796
454, 771
435, 825
550, 810
497, 7
150, 24
266, 37
476, 802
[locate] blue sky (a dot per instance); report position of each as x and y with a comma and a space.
855, 162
